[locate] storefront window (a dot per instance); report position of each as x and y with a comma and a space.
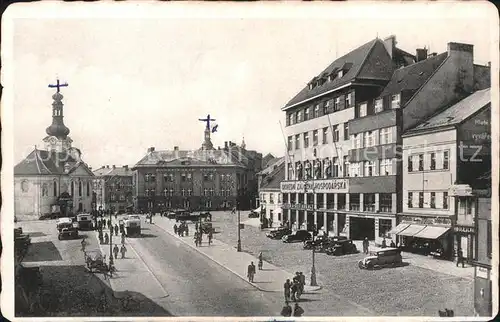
384, 226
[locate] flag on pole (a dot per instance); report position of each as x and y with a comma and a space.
214, 128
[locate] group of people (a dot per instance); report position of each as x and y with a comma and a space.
198, 235
294, 289
287, 310
181, 229
366, 245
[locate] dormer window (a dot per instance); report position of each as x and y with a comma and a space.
379, 106
306, 114
311, 85
340, 73
395, 101
363, 109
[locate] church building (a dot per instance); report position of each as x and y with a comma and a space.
53, 179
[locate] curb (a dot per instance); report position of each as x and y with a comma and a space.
217, 262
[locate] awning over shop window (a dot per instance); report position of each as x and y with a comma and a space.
258, 209
399, 228
412, 230
432, 232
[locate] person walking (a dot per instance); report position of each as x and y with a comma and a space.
106, 238
196, 239
84, 244
109, 224
294, 288
384, 243
210, 236
200, 238
287, 310
287, 289
115, 251
460, 257
175, 229
123, 250
297, 310
123, 238
187, 229
116, 229
365, 245
392, 244
151, 218
302, 282
251, 272
260, 261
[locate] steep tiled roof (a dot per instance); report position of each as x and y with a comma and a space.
42, 162
117, 171
273, 180
412, 77
355, 59
194, 157
458, 112
271, 166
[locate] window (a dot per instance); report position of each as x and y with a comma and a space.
306, 139
446, 162
488, 238
113, 197
420, 162
410, 163
122, 197
433, 161
168, 177
385, 202
189, 177
165, 192
379, 106
356, 138
315, 137
271, 198
363, 109
326, 107
346, 167
290, 172
316, 110
183, 177
395, 101
354, 171
385, 167
445, 200
171, 191
385, 136
279, 198
325, 135
205, 192
468, 202
291, 118
183, 192
72, 188
336, 104
336, 133
369, 141
336, 167
340, 73
45, 190
346, 131
348, 100
212, 191
306, 114
410, 199
384, 226
433, 200
297, 141
79, 188
420, 200
368, 169
88, 189
55, 189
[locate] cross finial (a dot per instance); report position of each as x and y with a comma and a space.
207, 120
58, 85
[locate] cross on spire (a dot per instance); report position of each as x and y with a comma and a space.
207, 120
58, 85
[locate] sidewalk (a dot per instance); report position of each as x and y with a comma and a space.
132, 273
438, 265
270, 279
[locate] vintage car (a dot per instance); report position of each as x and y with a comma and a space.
317, 242
382, 257
84, 221
186, 215
278, 233
96, 261
342, 247
67, 227
297, 236
206, 227
132, 225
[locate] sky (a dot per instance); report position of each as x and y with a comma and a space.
145, 80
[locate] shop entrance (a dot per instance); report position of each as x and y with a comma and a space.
360, 228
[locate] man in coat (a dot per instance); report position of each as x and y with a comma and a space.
297, 310
251, 272
287, 310
286, 288
115, 251
365, 245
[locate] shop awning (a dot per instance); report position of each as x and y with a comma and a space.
432, 232
412, 230
399, 228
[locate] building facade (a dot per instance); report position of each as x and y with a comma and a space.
203, 179
113, 187
54, 179
442, 176
270, 197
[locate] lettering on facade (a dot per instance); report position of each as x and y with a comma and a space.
482, 272
426, 220
461, 190
316, 186
297, 206
462, 229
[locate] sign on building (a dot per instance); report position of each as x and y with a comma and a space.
461, 190
316, 186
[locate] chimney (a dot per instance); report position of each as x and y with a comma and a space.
107, 166
421, 54
90, 168
176, 148
114, 167
151, 149
225, 145
489, 64
390, 44
461, 58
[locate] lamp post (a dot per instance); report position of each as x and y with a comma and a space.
238, 247
313, 268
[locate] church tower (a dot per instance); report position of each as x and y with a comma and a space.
57, 139
207, 144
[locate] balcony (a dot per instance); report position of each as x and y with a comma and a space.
385, 208
369, 207
354, 207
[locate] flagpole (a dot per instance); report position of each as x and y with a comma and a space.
287, 150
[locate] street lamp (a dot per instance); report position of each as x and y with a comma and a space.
313, 268
238, 247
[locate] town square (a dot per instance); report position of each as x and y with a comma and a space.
195, 167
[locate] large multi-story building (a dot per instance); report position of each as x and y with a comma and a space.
270, 196
344, 169
54, 176
446, 160
113, 187
203, 179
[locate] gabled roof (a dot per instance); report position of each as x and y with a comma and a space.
353, 60
194, 157
458, 112
117, 171
413, 76
272, 165
42, 162
273, 180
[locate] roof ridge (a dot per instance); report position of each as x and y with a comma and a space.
366, 56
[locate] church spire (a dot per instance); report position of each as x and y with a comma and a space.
57, 128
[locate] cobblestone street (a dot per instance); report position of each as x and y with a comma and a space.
396, 291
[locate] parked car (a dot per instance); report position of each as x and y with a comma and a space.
84, 221
278, 233
382, 258
67, 227
298, 236
329, 242
342, 247
317, 242
253, 214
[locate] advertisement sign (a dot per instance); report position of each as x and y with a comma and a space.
460, 190
316, 186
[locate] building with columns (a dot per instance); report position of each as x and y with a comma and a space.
113, 187
53, 178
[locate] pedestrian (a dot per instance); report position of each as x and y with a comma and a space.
460, 258
384, 243
109, 223
200, 237
196, 239
116, 215
106, 238
123, 250
260, 261
187, 229
286, 288
115, 251
287, 310
196, 226
365, 245
116, 229
297, 310
302, 282
151, 218
270, 223
175, 229
122, 226
294, 288
210, 236
84, 244
123, 238
392, 244
251, 272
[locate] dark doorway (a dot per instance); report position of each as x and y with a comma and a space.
359, 228
310, 221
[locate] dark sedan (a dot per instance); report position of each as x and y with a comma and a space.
278, 233
342, 247
298, 236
